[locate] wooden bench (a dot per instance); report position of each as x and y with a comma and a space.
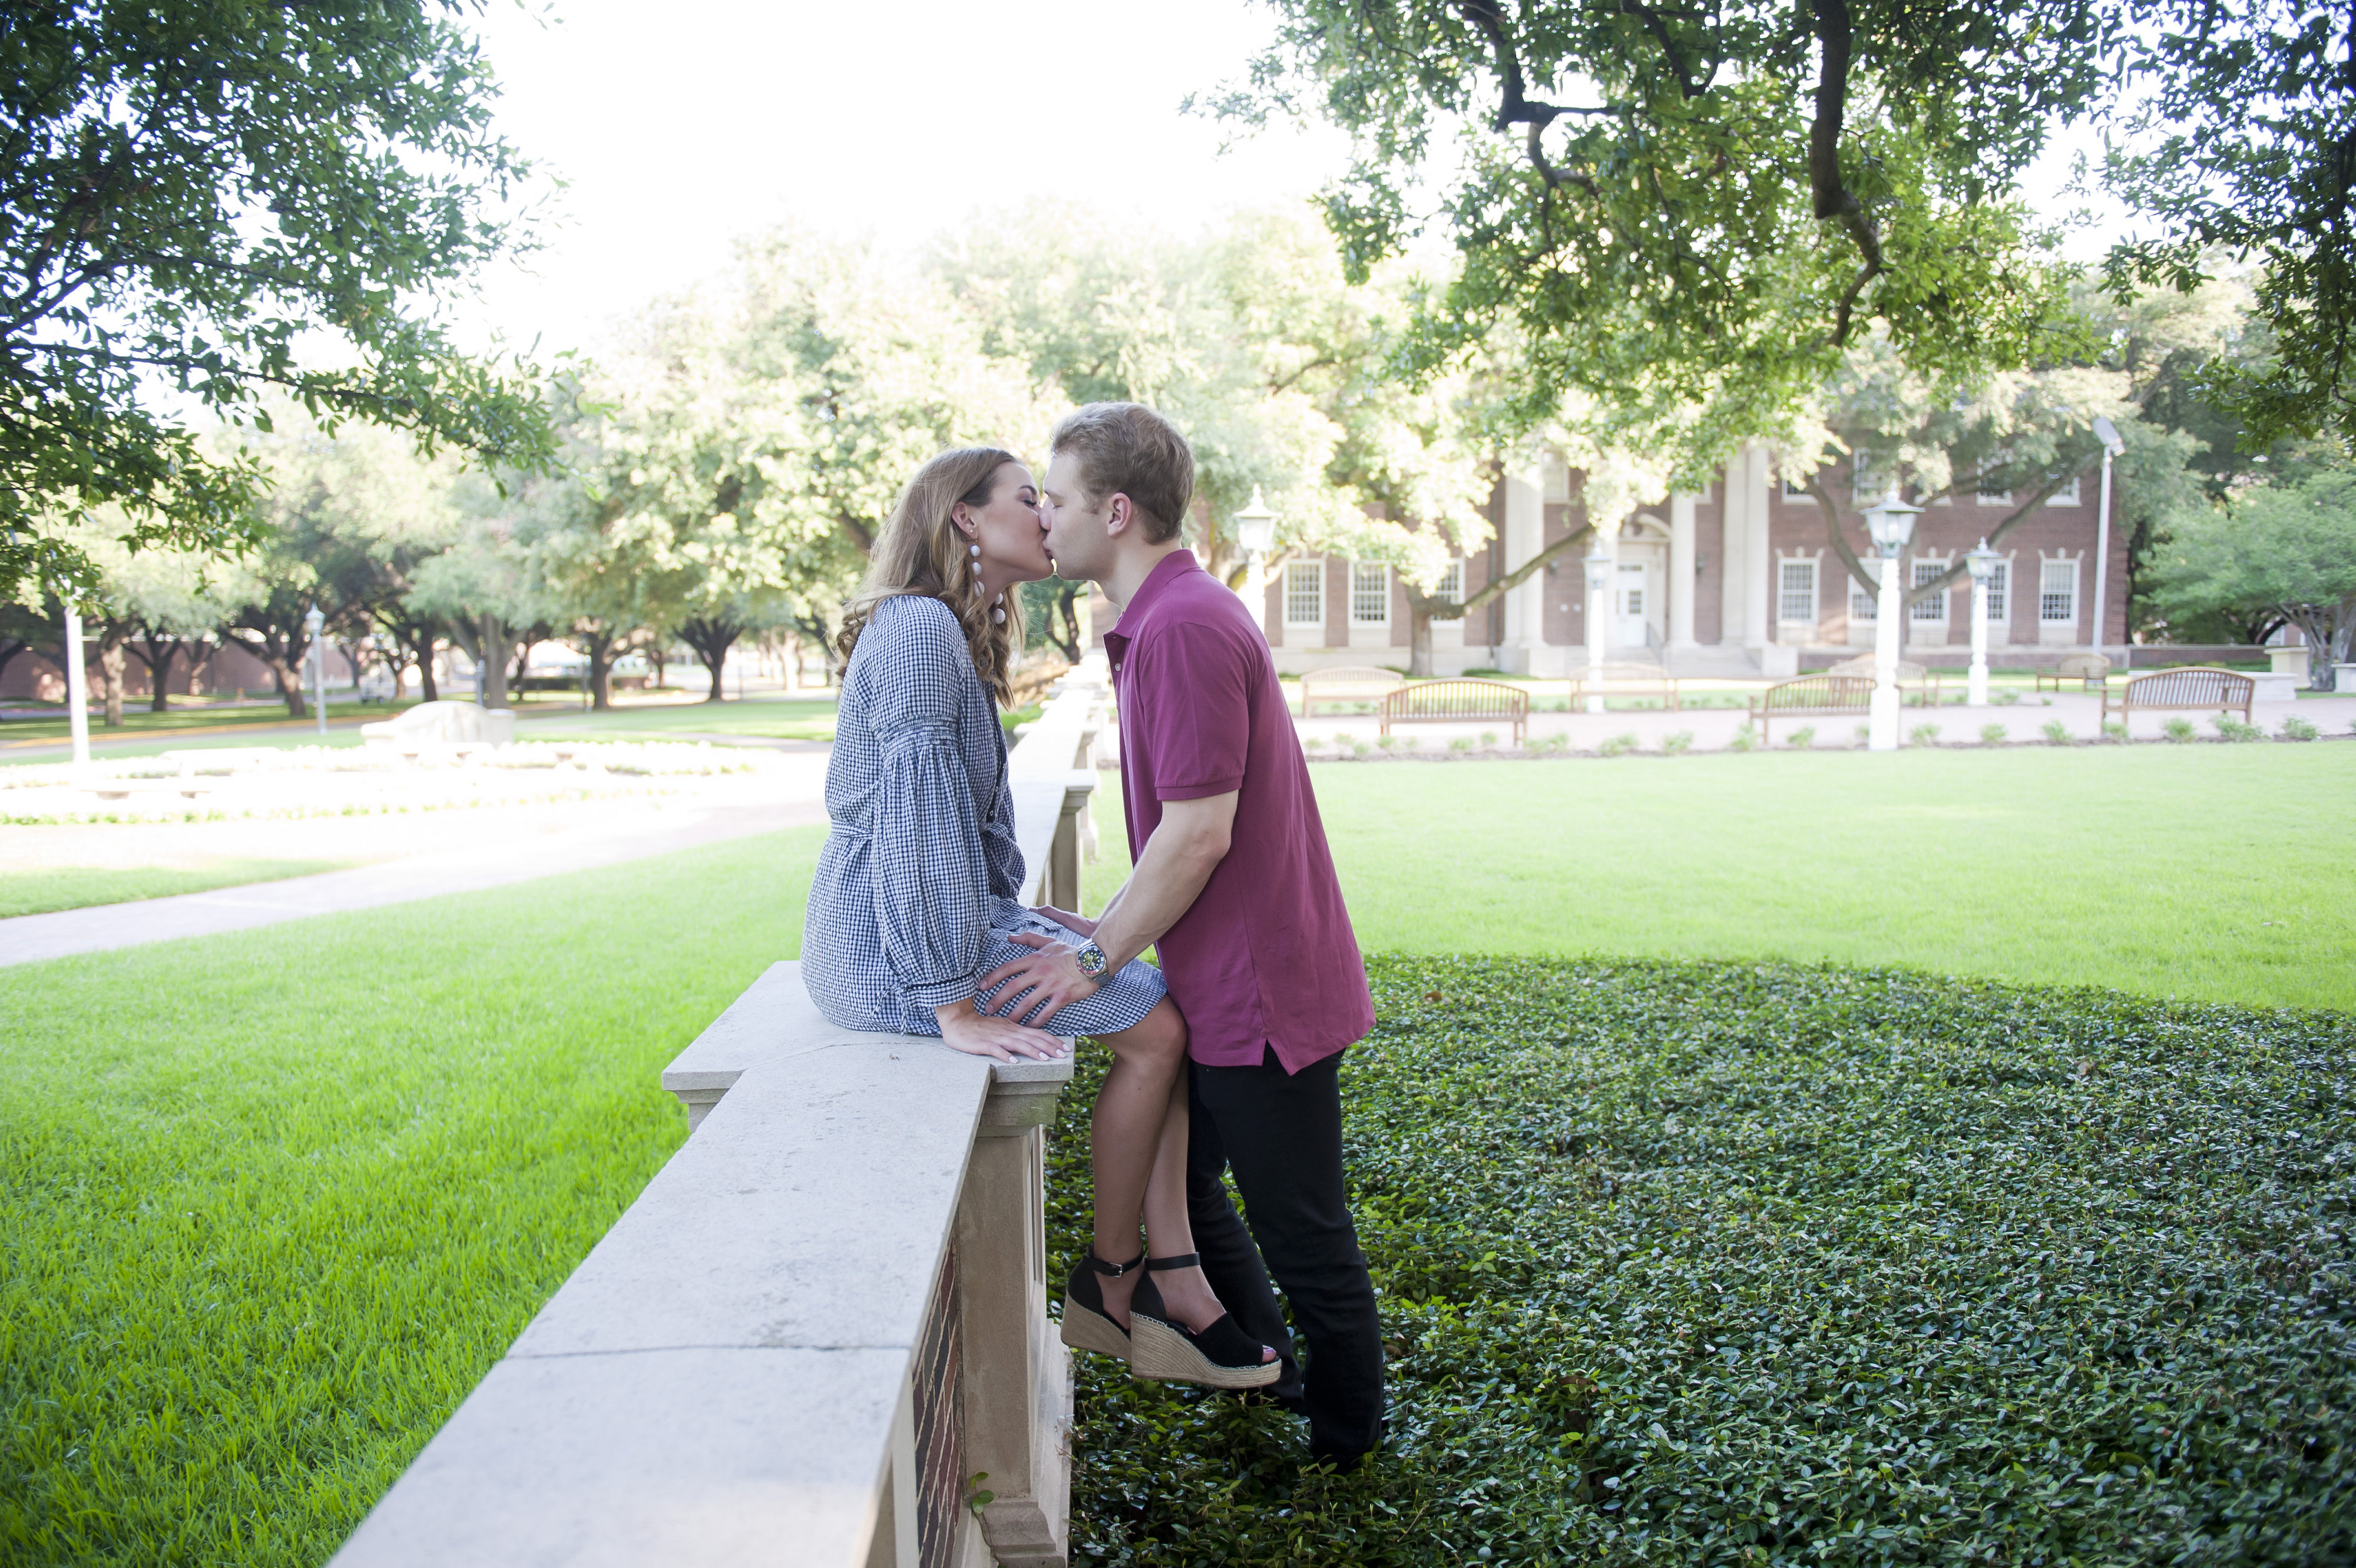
1919, 679
1459, 703
2091, 670
1812, 696
1625, 681
2197, 686
1349, 684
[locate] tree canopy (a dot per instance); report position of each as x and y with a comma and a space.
212, 201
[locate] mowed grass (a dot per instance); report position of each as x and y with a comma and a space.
2210, 873
272, 1203
761, 717
80, 887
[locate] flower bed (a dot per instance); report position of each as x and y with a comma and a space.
1758, 1263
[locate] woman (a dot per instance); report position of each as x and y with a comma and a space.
914, 900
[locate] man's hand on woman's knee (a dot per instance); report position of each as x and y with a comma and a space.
1041, 985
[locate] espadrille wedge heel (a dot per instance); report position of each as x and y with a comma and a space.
1221, 1356
1085, 1326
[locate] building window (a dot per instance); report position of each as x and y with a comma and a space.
1934, 608
1370, 593
1867, 481
1450, 589
1795, 593
1794, 489
1996, 463
1999, 579
2067, 495
2057, 593
1864, 604
1304, 592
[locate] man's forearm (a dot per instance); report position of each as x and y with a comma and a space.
1164, 885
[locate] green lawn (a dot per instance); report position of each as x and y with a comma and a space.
2213, 872
78, 886
271, 1203
770, 718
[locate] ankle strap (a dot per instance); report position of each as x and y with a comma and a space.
1182, 1261
1114, 1271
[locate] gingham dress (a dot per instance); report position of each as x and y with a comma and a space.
915, 898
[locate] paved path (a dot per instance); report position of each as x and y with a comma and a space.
28, 938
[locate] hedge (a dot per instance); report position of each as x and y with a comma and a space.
1741, 1264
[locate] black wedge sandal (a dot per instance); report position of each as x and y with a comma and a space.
1086, 1326
1221, 1356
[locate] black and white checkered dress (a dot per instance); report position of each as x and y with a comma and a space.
916, 887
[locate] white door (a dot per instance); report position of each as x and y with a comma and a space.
1631, 605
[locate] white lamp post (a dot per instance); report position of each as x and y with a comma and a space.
312, 621
1598, 563
1256, 532
1890, 522
2108, 435
1981, 562
77, 688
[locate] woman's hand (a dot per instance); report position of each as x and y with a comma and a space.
1078, 924
1000, 1040
1044, 984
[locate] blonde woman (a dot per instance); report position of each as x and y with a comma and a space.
915, 904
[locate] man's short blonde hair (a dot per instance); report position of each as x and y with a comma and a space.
1126, 448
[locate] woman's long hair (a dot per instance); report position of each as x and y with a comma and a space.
921, 552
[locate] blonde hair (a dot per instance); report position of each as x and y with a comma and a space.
921, 552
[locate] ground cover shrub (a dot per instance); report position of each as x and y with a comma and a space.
1676, 741
2296, 728
1460, 743
1489, 737
2115, 729
1922, 734
1385, 742
1991, 735
1745, 738
2179, 729
2006, 698
2233, 729
1726, 1264
1618, 745
1804, 737
1865, 734
2057, 732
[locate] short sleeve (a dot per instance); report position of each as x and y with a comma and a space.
1194, 683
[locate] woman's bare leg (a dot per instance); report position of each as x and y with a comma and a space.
1126, 1131
1169, 1232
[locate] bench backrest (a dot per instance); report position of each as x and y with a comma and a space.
1457, 700
1826, 690
1908, 673
2083, 666
1350, 681
1625, 675
2194, 686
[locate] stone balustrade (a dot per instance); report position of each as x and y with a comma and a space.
818, 1338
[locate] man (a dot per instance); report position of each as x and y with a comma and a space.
1235, 884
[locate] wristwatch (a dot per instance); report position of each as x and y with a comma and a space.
1091, 959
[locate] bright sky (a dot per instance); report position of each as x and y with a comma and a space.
679, 127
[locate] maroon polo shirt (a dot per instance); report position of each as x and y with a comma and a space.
1266, 957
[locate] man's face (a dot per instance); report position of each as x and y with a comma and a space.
1077, 539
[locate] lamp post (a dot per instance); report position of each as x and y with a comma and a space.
1981, 562
2108, 435
1256, 532
1890, 522
312, 621
1598, 563
76, 688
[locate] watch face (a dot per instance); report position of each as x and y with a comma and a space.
1092, 959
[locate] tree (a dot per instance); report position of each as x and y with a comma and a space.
1681, 209
2240, 143
152, 604
210, 201
2288, 548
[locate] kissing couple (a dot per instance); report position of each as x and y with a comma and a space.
1226, 1058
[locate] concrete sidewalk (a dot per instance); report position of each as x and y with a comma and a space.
28, 938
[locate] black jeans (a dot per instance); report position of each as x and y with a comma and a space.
1281, 1135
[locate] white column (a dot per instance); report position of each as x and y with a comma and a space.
1525, 536
1758, 621
1680, 586
1734, 550
1882, 729
1975, 682
2102, 562
77, 690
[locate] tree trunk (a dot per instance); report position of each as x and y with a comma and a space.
1419, 658
492, 660
711, 639
286, 669
603, 649
114, 658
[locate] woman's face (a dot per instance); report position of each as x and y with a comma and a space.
1013, 540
